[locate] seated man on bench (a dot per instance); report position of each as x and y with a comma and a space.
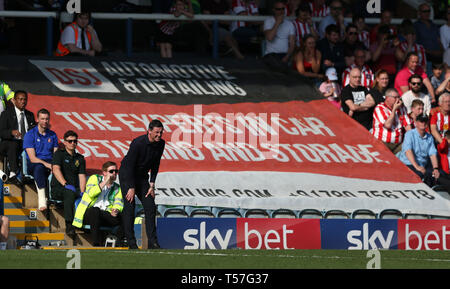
101, 204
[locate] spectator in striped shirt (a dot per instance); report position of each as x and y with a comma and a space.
303, 24
243, 31
440, 121
391, 121
366, 73
363, 34
167, 29
319, 8
410, 45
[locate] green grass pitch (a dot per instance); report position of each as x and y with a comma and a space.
223, 259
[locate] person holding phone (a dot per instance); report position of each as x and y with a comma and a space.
391, 121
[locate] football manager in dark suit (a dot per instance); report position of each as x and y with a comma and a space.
144, 156
15, 121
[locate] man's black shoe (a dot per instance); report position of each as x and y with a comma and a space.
133, 247
154, 246
70, 231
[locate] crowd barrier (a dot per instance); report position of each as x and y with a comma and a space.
129, 17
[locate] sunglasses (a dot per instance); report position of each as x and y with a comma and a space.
416, 83
425, 11
278, 9
353, 33
336, 8
72, 141
113, 171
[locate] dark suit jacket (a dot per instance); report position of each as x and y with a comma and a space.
9, 122
335, 55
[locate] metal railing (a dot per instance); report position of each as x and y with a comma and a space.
129, 17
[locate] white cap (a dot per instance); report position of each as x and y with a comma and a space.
331, 74
239, 9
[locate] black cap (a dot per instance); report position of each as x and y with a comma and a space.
422, 118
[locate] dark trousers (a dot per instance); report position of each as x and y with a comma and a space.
427, 178
69, 198
12, 149
128, 213
40, 174
96, 218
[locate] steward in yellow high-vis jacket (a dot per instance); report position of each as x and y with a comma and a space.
6, 94
101, 204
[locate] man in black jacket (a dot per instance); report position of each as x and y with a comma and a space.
144, 156
15, 121
332, 50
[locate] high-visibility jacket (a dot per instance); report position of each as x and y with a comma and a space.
61, 50
5, 94
91, 195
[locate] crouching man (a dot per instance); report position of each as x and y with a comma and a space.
101, 204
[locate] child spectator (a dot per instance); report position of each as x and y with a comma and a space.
436, 79
167, 29
444, 156
330, 88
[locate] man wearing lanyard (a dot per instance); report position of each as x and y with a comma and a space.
144, 156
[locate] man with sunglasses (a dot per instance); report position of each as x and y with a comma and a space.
335, 17
69, 177
415, 84
143, 157
279, 35
102, 203
428, 35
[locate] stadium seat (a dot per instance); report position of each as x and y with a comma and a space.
390, 214
363, 214
173, 212
282, 213
416, 216
310, 214
254, 213
199, 212
336, 214
225, 212
26, 176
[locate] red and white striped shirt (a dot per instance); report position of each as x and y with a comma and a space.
363, 36
319, 11
417, 48
301, 30
367, 76
251, 9
441, 121
397, 131
169, 27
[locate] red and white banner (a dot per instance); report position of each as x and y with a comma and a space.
267, 155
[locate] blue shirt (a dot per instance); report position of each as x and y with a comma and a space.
428, 37
43, 144
422, 147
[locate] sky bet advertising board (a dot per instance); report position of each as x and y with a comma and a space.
281, 234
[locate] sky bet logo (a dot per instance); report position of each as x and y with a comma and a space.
216, 233
359, 234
